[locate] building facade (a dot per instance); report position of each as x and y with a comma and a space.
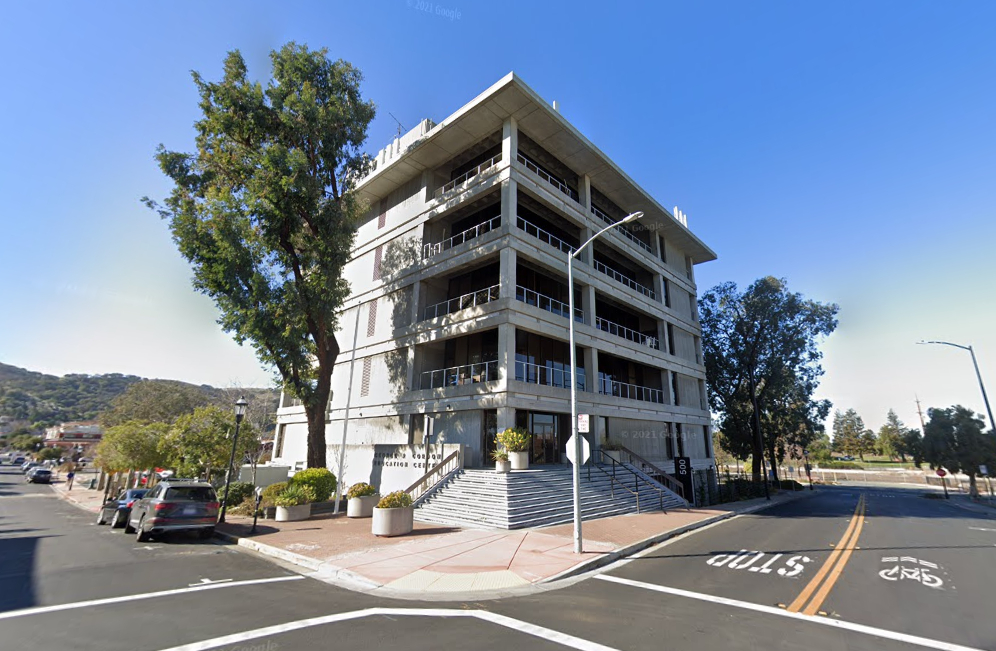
459, 306
81, 435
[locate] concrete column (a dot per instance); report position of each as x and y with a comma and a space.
410, 377
506, 272
590, 369
668, 386
583, 237
506, 355
584, 194
506, 418
509, 140
655, 243
662, 335
588, 304
416, 306
509, 205
428, 185
659, 287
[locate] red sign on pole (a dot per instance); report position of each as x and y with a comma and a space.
941, 472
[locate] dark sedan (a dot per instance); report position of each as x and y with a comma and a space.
116, 511
39, 475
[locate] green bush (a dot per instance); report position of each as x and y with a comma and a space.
245, 508
361, 490
271, 492
295, 495
395, 500
514, 439
321, 480
790, 485
840, 465
499, 455
238, 492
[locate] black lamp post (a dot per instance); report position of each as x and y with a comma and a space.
809, 468
240, 411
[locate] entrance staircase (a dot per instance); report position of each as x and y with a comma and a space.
543, 496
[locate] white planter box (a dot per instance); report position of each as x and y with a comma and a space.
502, 467
393, 522
519, 460
361, 507
293, 513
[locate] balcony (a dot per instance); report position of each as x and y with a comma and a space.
429, 250
627, 333
472, 299
543, 236
529, 297
620, 278
459, 375
622, 229
549, 178
547, 375
486, 166
630, 391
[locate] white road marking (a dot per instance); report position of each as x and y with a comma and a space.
137, 597
501, 620
209, 582
823, 621
981, 529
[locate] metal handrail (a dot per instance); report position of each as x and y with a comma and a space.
466, 176
420, 489
618, 277
457, 375
615, 481
536, 374
543, 236
544, 302
622, 229
429, 250
626, 333
637, 478
473, 299
669, 480
608, 387
546, 176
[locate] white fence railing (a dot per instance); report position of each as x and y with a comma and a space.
548, 375
626, 333
631, 391
467, 176
629, 282
622, 229
546, 176
429, 250
472, 299
543, 236
457, 375
529, 297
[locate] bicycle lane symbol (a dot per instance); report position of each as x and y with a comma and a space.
912, 569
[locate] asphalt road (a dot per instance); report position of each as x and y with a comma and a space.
711, 590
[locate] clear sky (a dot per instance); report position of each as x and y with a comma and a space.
849, 147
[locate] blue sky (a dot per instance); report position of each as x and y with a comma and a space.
846, 146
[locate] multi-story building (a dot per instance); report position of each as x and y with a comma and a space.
459, 304
78, 434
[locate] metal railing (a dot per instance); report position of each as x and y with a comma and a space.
472, 299
457, 375
466, 176
544, 302
599, 458
655, 472
436, 476
618, 277
622, 229
429, 250
546, 176
626, 333
551, 377
609, 387
543, 236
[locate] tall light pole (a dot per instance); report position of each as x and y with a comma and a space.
240, 411
574, 374
985, 398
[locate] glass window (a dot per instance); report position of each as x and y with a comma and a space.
193, 493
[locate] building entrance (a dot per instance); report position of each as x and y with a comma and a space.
545, 428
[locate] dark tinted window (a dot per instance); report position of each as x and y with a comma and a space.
135, 494
194, 493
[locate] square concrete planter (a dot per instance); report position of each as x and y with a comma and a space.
361, 507
502, 467
293, 513
519, 460
393, 522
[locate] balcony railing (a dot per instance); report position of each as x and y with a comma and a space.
543, 236
626, 333
529, 297
622, 229
429, 250
552, 180
631, 391
466, 176
472, 299
618, 277
457, 375
548, 375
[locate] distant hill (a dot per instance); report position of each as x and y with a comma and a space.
50, 399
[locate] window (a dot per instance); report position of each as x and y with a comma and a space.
670, 339
674, 389
705, 442
680, 436
663, 250
372, 317
378, 257
365, 379
192, 493
382, 217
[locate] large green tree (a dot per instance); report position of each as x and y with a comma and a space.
763, 364
201, 442
266, 214
890, 436
954, 439
160, 401
134, 444
849, 433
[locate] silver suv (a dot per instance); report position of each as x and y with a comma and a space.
174, 505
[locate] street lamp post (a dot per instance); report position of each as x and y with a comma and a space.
985, 398
574, 375
240, 411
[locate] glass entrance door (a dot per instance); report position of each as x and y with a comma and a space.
545, 430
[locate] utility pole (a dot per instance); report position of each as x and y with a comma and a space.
923, 426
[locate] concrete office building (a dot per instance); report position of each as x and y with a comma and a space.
459, 300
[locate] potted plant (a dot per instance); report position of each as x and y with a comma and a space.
612, 450
394, 515
515, 441
294, 503
502, 464
362, 500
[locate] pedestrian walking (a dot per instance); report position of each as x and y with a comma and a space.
69, 480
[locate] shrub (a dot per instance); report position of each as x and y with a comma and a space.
245, 508
271, 492
841, 465
395, 500
499, 455
321, 480
514, 439
361, 490
238, 492
295, 495
610, 445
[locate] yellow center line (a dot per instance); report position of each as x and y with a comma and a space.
803, 597
818, 600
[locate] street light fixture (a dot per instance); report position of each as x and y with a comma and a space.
985, 398
240, 411
574, 376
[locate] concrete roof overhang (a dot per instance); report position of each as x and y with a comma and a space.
486, 113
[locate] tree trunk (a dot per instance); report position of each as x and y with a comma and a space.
316, 408
973, 488
772, 462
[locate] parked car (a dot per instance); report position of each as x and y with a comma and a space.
18, 460
116, 511
28, 465
39, 475
174, 505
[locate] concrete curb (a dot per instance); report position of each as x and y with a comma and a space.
66, 497
269, 550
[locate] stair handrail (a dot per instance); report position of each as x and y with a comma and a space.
669, 480
613, 479
637, 477
422, 487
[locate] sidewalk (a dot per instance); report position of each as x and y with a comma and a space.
85, 498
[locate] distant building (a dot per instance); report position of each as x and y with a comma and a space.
78, 433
